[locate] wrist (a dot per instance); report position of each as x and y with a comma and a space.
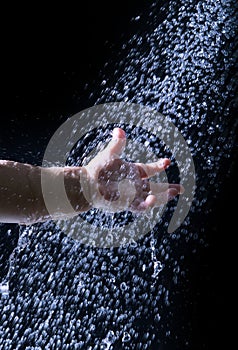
72, 181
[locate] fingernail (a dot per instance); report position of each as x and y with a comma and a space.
119, 133
164, 163
182, 189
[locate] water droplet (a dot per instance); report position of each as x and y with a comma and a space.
4, 289
126, 337
123, 286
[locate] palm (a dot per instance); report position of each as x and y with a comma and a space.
114, 172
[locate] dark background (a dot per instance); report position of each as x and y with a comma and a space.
35, 100
37, 94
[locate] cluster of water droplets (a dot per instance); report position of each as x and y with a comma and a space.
60, 294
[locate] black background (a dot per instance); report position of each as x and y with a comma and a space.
36, 99
37, 93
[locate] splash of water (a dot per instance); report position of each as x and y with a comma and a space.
66, 295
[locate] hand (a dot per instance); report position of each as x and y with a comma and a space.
110, 183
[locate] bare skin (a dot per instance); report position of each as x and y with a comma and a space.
22, 201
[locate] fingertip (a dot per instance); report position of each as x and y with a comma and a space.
181, 190
148, 203
166, 162
118, 133
163, 163
150, 200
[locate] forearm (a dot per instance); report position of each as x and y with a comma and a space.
21, 195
